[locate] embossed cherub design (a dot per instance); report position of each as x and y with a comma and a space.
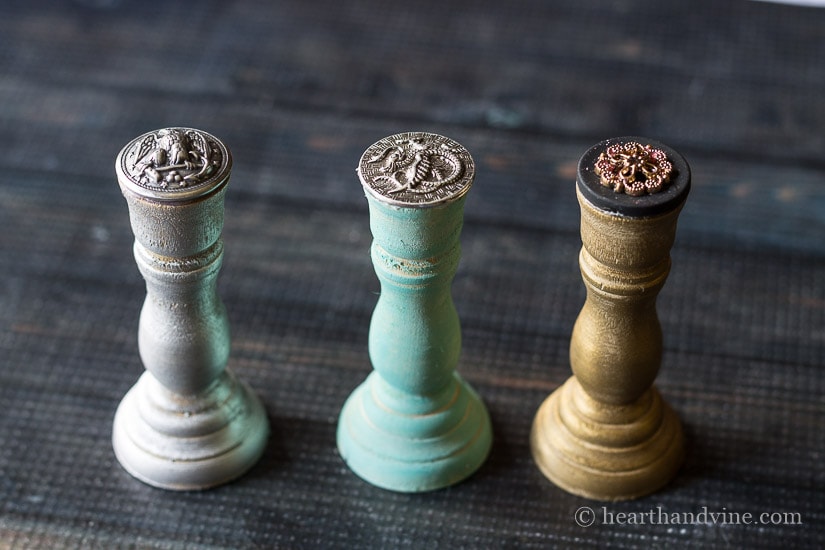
417, 165
166, 157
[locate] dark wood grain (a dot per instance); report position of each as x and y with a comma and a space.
298, 90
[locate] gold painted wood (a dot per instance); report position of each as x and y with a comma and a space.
606, 433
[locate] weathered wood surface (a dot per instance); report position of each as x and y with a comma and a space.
298, 90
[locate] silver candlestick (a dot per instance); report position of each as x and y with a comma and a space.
188, 423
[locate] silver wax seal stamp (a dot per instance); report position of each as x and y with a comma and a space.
416, 169
174, 164
188, 422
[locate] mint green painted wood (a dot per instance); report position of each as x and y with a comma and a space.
414, 424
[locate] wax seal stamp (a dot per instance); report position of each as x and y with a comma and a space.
416, 169
188, 422
414, 424
174, 163
607, 433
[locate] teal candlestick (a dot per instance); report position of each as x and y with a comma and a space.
415, 424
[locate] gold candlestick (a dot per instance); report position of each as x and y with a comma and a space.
606, 433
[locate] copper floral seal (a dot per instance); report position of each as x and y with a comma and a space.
633, 168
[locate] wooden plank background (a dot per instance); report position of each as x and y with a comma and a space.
298, 90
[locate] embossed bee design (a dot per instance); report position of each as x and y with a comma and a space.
417, 166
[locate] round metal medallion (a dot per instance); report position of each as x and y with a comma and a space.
174, 164
416, 169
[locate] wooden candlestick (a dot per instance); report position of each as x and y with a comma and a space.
414, 424
188, 423
606, 433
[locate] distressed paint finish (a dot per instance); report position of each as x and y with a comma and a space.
606, 433
188, 423
414, 424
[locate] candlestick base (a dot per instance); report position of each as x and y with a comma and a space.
189, 442
603, 451
412, 443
